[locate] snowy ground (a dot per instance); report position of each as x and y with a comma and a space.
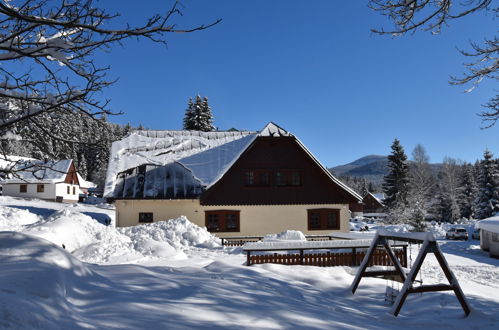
176, 275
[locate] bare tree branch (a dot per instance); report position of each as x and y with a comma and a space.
54, 42
432, 15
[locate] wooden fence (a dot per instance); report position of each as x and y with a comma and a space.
241, 240
329, 259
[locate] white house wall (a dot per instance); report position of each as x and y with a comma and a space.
13, 189
50, 192
61, 190
255, 220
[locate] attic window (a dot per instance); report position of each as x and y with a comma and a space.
23, 188
40, 188
288, 178
222, 221
258, 177
323, 219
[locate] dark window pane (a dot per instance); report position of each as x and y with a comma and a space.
23, 188
145, 217
231, 221
250, 178
213, 222
280, 179
264, 178
295, 179
332, 220
314, 221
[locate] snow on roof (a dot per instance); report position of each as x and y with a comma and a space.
204, 158
272, 129
489, 224
8, 162
161, 148
85, 183
379, 197
40, 171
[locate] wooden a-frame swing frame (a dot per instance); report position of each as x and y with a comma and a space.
430, 245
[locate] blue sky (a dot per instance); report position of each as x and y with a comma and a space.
315, 69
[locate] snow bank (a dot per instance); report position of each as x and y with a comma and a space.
93, 242
179, 233
287, 235
12, 219
42, 281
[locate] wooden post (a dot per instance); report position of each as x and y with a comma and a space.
301, 257
354, 256
248, 258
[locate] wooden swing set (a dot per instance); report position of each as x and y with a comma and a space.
429, 245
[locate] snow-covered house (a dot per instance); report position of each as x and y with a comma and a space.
489, 235
234, 183
372, 203
49, 180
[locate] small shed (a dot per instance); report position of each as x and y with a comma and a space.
489, 235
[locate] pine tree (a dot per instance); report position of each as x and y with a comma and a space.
467, 191
198, 116
396, 184
487, 200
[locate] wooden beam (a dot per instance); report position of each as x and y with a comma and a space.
364, 263
431, 288
375, 273
395, 261
452, 279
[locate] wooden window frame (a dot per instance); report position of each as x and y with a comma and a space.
146, 217
23, 188
74, 190
68, 190
253, 178
222, 218
40, 188
323, 216
287, 178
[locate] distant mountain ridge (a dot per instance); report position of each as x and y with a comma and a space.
372, 167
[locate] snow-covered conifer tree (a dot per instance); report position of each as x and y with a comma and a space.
198, 116
396, 184
487, 200
467, 191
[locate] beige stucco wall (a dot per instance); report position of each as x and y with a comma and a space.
254, 220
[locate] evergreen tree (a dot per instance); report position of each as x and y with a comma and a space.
396, 184
198, 116
467, 191
487, 200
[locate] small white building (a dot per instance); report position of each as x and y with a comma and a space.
489, 235
50, 180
